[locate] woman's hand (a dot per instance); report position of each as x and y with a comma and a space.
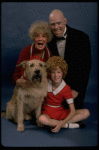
74, 94
24, 83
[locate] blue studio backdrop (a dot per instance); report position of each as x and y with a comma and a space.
16, 19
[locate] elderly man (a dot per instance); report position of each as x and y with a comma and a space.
74, 46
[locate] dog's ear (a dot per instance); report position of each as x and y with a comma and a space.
47, 66
23, 64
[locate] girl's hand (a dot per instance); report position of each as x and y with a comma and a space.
57, 127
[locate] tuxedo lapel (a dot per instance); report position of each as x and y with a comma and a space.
67, 46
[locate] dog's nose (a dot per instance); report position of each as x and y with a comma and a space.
37, 71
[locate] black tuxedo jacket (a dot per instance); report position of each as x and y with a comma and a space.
78, 57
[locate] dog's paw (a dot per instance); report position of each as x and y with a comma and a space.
20, 128
38, 123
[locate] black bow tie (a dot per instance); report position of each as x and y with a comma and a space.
61, 38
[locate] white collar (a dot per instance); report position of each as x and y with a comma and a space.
64, 33
57, 90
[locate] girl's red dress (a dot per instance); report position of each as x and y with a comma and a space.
55, 98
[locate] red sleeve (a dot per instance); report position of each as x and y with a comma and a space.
24, 55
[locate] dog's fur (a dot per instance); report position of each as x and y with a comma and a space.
24, 101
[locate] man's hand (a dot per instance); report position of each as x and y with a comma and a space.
24, 83
74, 94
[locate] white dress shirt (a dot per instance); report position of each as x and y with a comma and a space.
61, 44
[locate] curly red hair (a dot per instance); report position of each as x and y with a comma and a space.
57, 61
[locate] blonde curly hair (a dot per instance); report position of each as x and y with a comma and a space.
40, 26
57, 61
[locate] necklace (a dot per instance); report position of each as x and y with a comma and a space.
37, 53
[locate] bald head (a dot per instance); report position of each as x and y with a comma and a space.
57, 22
55, 13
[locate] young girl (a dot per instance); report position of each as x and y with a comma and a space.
53, 112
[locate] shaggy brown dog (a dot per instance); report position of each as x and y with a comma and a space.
24, 101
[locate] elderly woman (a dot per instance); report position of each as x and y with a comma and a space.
41, 34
